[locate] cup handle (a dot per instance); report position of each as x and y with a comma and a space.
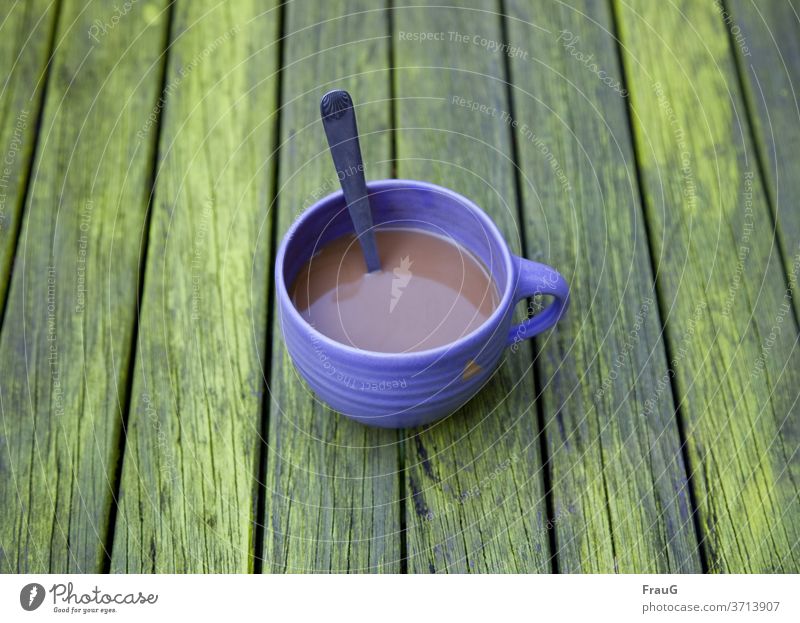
534, 278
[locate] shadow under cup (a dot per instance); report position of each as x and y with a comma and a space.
400, 390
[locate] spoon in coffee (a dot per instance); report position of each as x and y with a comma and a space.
339, 121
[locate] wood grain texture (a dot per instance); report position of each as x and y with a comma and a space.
474, 482
714, 115
26, 30
332, 485
766, 38
188, 489
620, 495
66, 339
731, 335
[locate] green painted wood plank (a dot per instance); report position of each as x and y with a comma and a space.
621, 499
474, 482
188, 488
332, 485
766, 38
66, 341
732, 337
26, 30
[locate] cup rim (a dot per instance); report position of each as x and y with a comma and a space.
380, 186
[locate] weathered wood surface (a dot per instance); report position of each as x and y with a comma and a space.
658, 206
189, 485
765, 37
332, 485
620, 495
26, 34
730, 330
474, 482
66, 337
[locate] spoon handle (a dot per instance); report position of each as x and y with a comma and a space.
339, 121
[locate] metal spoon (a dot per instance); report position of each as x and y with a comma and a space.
339, 121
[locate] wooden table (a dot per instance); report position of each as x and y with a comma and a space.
153, 156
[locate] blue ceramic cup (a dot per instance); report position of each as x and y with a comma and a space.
399, 390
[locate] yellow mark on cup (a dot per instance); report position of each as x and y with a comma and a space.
470, 370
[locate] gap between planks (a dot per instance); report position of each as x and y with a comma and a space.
659, 296
144, 239
261, 477
401, 441
547, 474
22, 198
769, 197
